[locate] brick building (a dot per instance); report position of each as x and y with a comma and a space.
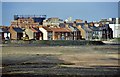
52, 33
27, 21
24, 23
16, 33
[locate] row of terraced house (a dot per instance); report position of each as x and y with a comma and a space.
40, 28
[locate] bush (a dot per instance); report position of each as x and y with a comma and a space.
56, 42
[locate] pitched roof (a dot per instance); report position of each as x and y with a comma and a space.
70, 24
106, 26
73, 28
57, 29
60, 30
5, 30
18, 30
86, 28
94, 28
35, 30
62, 25
82, 24
47, 28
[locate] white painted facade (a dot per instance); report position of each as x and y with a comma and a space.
116, 30
96, 25
45, 33
116, 20
115, 27
100, 35
30, 33
6, 35
112, 26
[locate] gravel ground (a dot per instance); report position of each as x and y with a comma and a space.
60, 61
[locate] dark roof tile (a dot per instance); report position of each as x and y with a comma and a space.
18, 30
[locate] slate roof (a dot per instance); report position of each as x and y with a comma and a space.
62, 25
70, 24
86, 28
18, 30
106, 26
82, 24
77, 24
35, 30
73, 28
94, 28
5, 30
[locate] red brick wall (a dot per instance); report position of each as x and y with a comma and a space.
13, 34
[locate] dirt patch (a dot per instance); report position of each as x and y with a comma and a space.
63, 61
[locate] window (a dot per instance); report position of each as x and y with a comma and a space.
49, 35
